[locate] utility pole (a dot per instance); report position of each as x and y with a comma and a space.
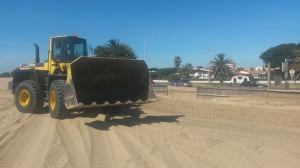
145, 49
269, 75
146, 44
285, 70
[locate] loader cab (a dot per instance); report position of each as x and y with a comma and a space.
66, 49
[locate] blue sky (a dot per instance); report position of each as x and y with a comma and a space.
242, 29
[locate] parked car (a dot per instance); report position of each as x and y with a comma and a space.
252, 83
181, 82
239, 79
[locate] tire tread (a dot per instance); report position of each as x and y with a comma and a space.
60, 110
36, 96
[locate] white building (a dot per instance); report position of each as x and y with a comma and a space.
200, 73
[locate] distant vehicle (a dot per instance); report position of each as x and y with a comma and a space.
239, 79
181, 82
245, 81
252, 83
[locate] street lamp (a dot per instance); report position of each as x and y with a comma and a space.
145, 45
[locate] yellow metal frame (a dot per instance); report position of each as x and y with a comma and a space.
51, 66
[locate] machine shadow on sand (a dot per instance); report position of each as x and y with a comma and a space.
107, 111
127, 116
124, 115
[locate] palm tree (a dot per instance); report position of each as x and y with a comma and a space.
186, 70
115, 49
220, 67
177, 61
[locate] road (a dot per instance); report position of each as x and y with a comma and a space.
176, 131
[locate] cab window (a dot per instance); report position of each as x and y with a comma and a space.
68, 49
78, 49
58, 49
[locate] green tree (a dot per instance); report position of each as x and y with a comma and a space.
177, 61
162, 73
220, 67
115, 49
276, 55
154, 73
186, 70
173, 76
167, 71
5, 74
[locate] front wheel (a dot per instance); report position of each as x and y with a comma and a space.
28, 97
56, 100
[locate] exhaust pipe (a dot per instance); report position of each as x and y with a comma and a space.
37, 53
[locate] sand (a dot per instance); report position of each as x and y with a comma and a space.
176, 131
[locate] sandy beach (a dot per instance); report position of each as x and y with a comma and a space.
178, 130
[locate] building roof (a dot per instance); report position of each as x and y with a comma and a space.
201, 70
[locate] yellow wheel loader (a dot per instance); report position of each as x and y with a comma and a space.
69, 79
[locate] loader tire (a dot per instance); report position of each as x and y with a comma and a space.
28, 97
56, 100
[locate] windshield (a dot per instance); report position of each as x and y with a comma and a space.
79, 47
69, 48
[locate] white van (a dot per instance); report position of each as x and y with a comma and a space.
239, 79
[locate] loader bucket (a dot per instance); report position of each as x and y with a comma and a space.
98, 80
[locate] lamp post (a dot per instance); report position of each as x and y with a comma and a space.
145, 45
145, 48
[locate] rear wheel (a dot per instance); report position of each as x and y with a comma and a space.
28, 97
56, 100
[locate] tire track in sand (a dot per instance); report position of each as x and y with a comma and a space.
140, 155
30, 144
102, 153
220, 112
68, 146
73, 142
157, 141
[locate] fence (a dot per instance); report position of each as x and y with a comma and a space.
226, 91
160, 88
